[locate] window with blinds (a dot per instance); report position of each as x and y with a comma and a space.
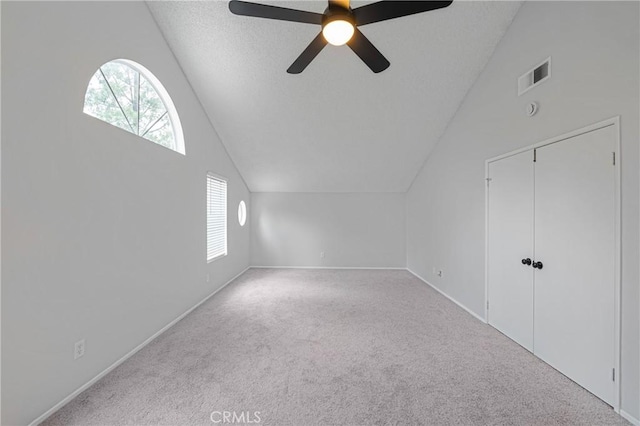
216, 217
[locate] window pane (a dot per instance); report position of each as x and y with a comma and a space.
99, 102
123, 82
122, 93
155, 124
160, 132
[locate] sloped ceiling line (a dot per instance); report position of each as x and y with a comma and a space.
336, 127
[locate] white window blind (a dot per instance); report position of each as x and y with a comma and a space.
216, 217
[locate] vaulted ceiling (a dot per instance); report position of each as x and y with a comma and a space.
336, 127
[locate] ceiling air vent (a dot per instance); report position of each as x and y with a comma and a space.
534, 77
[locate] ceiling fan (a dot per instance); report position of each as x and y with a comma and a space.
339, 25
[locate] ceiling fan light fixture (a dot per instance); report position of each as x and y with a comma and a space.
338, 31
339, 22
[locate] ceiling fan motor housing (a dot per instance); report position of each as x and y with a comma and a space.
337, 13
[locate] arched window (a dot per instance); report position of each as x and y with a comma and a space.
127, 95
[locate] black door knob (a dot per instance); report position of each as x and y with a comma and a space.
537, 265
526, 261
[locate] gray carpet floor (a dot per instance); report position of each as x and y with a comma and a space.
334, 347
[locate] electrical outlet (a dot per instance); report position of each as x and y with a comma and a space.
440, 273
321, 255
434, 272
208, 277
78, 349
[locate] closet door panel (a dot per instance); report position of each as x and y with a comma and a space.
510, 240
575, 241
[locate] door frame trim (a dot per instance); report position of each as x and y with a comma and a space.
613, 121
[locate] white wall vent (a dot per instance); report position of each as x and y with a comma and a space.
534, 77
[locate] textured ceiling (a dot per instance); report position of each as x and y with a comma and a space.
337, 127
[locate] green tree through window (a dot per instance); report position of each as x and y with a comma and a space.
120, 94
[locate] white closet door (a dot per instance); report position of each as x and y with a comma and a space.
510, 240
575, 241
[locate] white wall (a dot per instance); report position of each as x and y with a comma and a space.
353, 230
595, 75
104, 232
0, 211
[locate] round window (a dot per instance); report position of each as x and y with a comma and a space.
242, 213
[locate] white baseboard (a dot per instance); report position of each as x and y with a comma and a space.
630, 418
448, 297
399, 268
82, 388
